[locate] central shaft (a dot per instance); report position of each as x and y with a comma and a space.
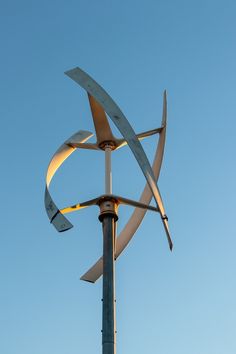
108, 175
108, 217
108, 308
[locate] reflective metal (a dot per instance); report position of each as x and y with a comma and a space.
70, 145
108, 293
136, 218
118, 118
101, 103
117, 199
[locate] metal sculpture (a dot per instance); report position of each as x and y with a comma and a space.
101, 105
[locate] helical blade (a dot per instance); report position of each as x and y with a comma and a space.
136, 218
164, 217
118, 118
55, 216
102, 127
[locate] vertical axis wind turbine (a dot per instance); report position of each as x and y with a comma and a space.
102, 105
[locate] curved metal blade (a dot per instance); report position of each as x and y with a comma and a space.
102, 127
118, 118
65, 150
136, 218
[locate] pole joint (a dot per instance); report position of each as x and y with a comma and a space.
108, 207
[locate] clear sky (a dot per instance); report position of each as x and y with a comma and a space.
181, 302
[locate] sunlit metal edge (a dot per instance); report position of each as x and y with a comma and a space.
118, 199
118, 118
94, 273
59, 221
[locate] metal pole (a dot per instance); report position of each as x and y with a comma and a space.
108, 174
108, 305
108, 217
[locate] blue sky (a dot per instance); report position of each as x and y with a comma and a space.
181, 302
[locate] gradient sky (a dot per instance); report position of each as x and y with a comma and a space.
181, 302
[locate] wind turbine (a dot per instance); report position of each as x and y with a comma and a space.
102, 105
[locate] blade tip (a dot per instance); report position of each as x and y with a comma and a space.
68, 72
87, 280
